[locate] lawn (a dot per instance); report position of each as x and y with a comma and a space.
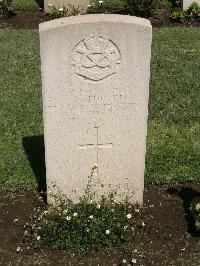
173, 147
27, 5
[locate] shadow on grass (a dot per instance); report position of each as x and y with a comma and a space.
40, 3
187, 195
34, 148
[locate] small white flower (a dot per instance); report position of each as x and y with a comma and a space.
25, 233
38, 238
65, 211
98, 206
75, 214
68, 218
124, 261
87, 230
125, 227
129, 216
28, 248
89, 5
45, 212
50, 5
16, 220
134, 261
112, 210
135, 250
137, 210
143, 224
18, 249
60, 9
107, 232
91, 216
100, 2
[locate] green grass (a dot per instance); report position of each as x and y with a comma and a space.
27, 5
20, 101
174, 121
173, 149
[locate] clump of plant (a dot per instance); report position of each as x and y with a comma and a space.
176, 3
191, 14
141, 8
61, 12
87, 225
6, 8
106, 6
195, 210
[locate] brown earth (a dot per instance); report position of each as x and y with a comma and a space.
168, 237
25, 20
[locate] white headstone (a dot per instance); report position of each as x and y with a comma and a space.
82, 5
95, 72
187, 3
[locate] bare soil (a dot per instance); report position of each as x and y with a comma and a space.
27, 20
168, 237
24, 20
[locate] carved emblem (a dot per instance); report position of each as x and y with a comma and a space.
95, 58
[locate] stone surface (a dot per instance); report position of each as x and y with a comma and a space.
187, 3
95, 72
81, 4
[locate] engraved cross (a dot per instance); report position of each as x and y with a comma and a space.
96, 146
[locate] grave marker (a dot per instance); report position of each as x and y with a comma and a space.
95, 73
187, 3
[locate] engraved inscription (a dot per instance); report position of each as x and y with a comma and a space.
95, 58
96, 146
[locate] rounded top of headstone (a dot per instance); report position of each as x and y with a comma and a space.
94, 18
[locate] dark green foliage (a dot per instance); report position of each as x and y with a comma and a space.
86, 225
141, 8
6, 8
178, 16
195, 210
191, 14
108, 6
176, 3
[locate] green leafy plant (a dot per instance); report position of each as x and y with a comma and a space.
175, 3
178, 16
191, 14
195, 210
106, 6
87, 225
6, 8
142, 8
62, 11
